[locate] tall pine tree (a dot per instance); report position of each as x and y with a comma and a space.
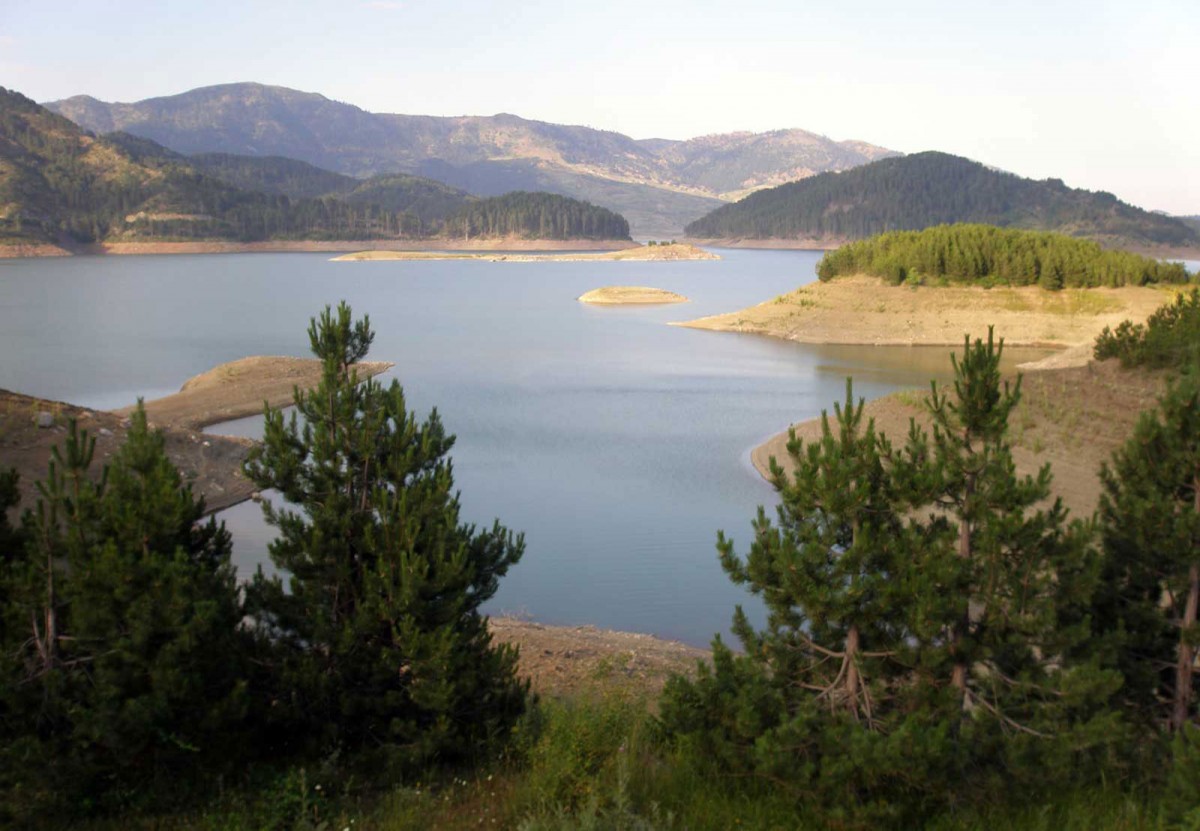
1150, 519
377, 632
125, 627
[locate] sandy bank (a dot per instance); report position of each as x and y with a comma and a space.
278, 246
565, 660
865, 310
211, 464
640, 253
774, 243
1073, 418
629, 295
238, 389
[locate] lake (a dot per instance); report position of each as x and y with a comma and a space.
618, 445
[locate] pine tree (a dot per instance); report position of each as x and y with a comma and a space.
817, 700
1150, 519
1000, 632
129, 647
378, 635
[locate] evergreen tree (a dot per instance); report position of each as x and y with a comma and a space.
817, 701
1150, 515
125, 628
1002, 628
378, 636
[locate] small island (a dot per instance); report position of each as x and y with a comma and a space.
630, 295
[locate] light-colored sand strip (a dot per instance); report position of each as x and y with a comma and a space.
238, 389
641, 253
630, 295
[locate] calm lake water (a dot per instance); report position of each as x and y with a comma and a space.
618, 444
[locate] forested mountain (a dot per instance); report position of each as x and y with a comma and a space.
537, 216
663, 183
932, 188
987, 255
60, 184
429, 202
1192, 222
273, 174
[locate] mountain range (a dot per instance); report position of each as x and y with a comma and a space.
62, 186
658, 184
926, 189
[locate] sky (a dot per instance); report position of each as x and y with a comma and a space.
1104, 95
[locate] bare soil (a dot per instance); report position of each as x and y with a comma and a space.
865, 310
639, 253
630, 295
238, 389
563, 661
211, 464
1072, 418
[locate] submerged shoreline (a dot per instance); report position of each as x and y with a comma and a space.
636, 253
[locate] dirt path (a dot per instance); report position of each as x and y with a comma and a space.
865, 310
1073, 418
238, 389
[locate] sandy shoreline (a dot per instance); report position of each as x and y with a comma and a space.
282, 246
238, 389
637, 253
772, 243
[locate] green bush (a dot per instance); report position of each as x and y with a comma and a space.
1169, 338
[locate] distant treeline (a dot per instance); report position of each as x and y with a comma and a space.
995, 256
537, 216
926, 189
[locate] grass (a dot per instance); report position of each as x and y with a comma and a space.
593, 763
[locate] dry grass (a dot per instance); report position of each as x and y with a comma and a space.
864, 310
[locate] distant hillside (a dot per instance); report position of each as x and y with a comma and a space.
926, 189
1192, 222
661, 183
537, 216
273, 174
990, 256
429, 202
58, 183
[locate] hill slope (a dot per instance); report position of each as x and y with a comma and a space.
663, 182
59, 184
927, 189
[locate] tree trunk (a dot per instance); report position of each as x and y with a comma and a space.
852, 682
958, 676
1186, 666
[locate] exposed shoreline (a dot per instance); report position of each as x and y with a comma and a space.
23, 250
635, 253
1072, 417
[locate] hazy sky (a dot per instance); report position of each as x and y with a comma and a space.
1105, 95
